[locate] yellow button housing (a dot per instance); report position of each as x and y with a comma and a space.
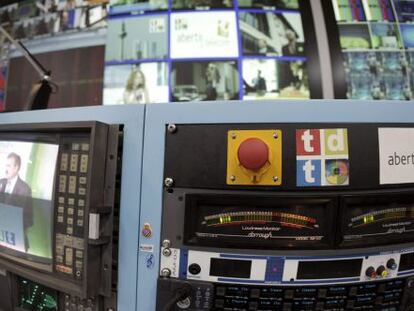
270, 174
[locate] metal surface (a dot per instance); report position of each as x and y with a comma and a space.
159, 116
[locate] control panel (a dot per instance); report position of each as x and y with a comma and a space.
71, 205
377, 296
383, 295
289, 217
248, 269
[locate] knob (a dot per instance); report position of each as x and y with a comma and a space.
391, 264
382, 271
253, 153
184, 304
370, 272
194, 268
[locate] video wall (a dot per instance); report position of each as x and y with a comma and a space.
376, 40
199, 50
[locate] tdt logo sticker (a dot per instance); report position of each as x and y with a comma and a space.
322, 157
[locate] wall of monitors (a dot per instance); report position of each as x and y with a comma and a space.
372, 48
202, 50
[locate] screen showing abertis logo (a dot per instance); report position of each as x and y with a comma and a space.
396, 155
322, 157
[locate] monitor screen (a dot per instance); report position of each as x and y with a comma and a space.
211, 51
27, 176
371, 46
120, 81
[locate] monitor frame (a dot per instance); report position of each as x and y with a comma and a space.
102, 167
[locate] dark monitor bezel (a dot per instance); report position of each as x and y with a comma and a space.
98, 256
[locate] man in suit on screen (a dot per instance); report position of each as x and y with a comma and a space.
16, 192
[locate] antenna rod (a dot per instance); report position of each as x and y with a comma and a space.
44, 74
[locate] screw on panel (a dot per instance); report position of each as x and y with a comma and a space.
233, 135
275, 178
275, 136
166, 252
169, 182
232, 178
165, 272
172, 128
166, 243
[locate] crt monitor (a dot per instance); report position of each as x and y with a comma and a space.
57, 193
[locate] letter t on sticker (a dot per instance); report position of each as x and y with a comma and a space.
309, 168
307, 138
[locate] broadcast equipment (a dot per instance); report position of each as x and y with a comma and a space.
58, 215
286, 216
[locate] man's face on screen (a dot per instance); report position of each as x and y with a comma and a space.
11, 168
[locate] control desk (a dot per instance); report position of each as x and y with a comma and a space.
210, 206
277, 206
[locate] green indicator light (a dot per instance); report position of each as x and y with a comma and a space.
50, 302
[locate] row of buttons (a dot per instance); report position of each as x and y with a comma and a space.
72, 187
76, 304
71, 208
303, 305
72, 212
289, 292
383, 296
69, 254
74, 157
74, 162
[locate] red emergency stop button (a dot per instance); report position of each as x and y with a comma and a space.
253, 153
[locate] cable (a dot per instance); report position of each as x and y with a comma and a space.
180, 294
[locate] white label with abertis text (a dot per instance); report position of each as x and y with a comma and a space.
396, 155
